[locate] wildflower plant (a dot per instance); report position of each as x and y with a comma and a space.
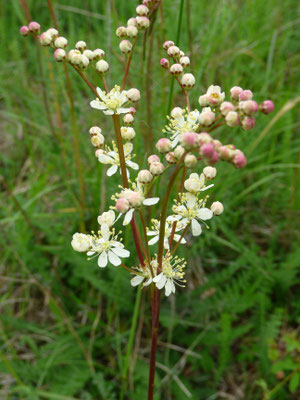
187, 154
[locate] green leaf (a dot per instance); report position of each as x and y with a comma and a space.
294, 382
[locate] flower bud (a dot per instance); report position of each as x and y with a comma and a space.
121, 32
127, 133
153, 158
135, 198
95, 130
60, 43
266, 106
210, 172
81, 242
239, 159
190, 161
189, 140
164, 62
188, 81
248, 123
97, 140
125, 46
214, 158
102, 66
143, 22
84, 62
173, 51
249, 107
60, 55
226, 107
176, 69
132, 22
45, 39
133, 95
147, 3
185, 61
207, 150
53, 33
179, 152
193, 184
207, 117
122, 205
170, 157
74, 56
128, 119
168, 44
81, 45
245, 95
225, 153
204, 137
232, 118
132, 31
34, 27
235, 91
89, 54
156, 168
144, 176
24, 30
98, 152
181, 54
217, 144
203, 100
163, 145
177, 112
99, 54
132, 110
142, 10
107, 218
217, 208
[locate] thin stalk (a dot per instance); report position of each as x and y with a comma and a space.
179, 191
145, 235
128, 65
180, 239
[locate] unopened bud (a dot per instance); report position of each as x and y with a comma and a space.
210, 172
127, 133
95, 130
266, 106
179, 152
164, 62
132, 31
153, 158
217, 208
132, 110
143, 22
128, 119
249, 107
189, 140
185, 61
188, 81
89, 54
135, 198
207, 117
81, 45
97, 140
84, 62
53, 33
248, 123
121, 32
170, 157
164, 145
125, 46
60, 55
203, 100
173, 51
177, 112
142, 10
45, 39
24, 30
60, 43
207, 150
74, 56
132, 22
190, 161
235, 91
156, 168
239, 159
225, 153
133, 95
232, 118
34, 27
102, 66
168, 44
245, 95
99, 54
226, 107
176, 69
144, 176
122, 205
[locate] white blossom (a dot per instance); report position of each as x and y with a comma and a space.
112, 102
181, 122
168, 230
111, 157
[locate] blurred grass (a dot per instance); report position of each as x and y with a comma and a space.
243, 279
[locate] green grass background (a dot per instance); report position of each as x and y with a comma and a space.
243, 274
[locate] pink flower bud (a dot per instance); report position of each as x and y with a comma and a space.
142, 10
135, 198
188, 81
61, 42
190, 161
128, 119
133, 95
207, 117
179, 152
99, 54
214, 158
248, 123
132, 31
143, 22
210, 172
132, 110
189, 140
225, 153
170, 158
239, 159
156, 168
204, 137
95, 130
132, 22
249, 107
232, 118
207, 150
60, 55
164, 145
173, 51
226, 107
24, 30
122, 205
153, 158
245, 95
125, 46
144, 176
266, 106
217, 144
121, 32
235, 91
164, 62
34, 27
45, 39
176, 69
217, 208
168, 44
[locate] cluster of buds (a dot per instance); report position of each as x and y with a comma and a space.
156, 167
97, 139
179, 64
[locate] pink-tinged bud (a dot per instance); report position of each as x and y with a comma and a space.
60, 55
248, 123
147, 3
153, 158
170, 158
53, 32
225, 153
179, 152
188, 81
173, 51
142, 10
168, 44
61, 42
95, 130
133, 95
226, 107
266, 106
156, 168
214, 158
176, 69
81, 45
185, 61
121, 32
203, 100
204, 137
235, 91
164, 145
164, 62
135, 198
132, 110
125, 46
34, 27
97, 140
24, 30
190, 161
189, 140
207, 150
245, 95
239, 159
144, 176
122, 205
132, 31
132, 22
232, 118
217, 144
210, 172
207, 117
217, 208
249, 107
99, 54
45, 39
128, 119
143, 22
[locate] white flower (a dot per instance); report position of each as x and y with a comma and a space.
181, 122
107, 248
81, 242
107, 218
190, 210
168, 230
196, 183
111, 157
214, 95
112, 102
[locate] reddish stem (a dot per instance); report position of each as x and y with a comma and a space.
128, 65
155, 305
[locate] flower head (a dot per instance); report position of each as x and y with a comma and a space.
181, 121
168, 230
112, 102
111, 157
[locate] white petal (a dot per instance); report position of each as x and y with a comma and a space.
105, 231
151, 233
147, 283
108, 112
166, 244
112, 170
101, 94
158, 277
113, 258
104, 159
128, 216
132, 165
173, 218
153, 240
102, 260
191, 200
137, 280
161, 283
97, 105
122, 110
121, 252
90, 253
177, 237
173, 287
204, 213
150, 201
196, 228
168, 287
207, 187
128, 147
